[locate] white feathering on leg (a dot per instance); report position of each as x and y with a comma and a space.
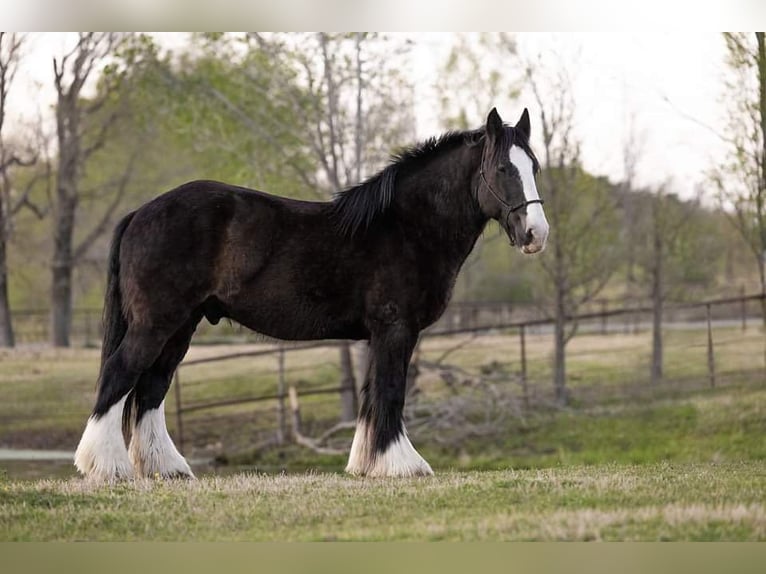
152, 450
358, 457
101, 454
400, 458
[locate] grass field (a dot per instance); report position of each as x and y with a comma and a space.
608, 502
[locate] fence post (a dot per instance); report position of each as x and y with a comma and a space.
743, 308
524, 388
710, 356
282, 422
295, 409
604, 304
179, 417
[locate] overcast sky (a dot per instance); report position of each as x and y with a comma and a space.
666, 82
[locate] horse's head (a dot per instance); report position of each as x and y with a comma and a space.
506, 189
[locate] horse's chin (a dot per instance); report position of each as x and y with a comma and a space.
532, 249
513, 239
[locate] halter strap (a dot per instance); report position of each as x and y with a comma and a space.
511, 208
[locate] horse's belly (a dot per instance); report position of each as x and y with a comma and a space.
298, 319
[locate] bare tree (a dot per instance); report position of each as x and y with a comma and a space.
471, 83
582, 248
664, 231
83, 127
672, 234
657, 275
741, 180
12, 200
631, 152
654, 256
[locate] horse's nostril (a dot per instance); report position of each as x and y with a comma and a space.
529, 237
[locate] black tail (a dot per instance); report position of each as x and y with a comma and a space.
115, 325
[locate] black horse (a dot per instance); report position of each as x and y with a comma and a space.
377, 263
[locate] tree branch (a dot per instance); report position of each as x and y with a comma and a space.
99, 229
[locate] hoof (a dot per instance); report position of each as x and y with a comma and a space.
174, 475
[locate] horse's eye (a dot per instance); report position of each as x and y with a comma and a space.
501, 169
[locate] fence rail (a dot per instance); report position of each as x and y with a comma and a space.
32, 325
466, 373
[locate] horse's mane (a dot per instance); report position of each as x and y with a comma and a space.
357, 207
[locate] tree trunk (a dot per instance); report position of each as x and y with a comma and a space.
7, 338
560, 341
61, 305
69, 156
630, 263
657, 347
348, 401
61, 275
657, 291
762, 270
761, 60
656, 367
360, 352
560, 312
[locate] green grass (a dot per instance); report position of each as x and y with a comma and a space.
723, 425
626, 461
611, 502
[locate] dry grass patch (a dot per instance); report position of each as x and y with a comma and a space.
651, 502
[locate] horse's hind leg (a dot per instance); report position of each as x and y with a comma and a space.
151, 449
381, 446
101, 454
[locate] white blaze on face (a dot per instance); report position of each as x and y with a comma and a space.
535, 221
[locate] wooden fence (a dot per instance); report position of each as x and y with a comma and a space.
32, 325
705, 315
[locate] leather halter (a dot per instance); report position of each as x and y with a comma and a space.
510, 208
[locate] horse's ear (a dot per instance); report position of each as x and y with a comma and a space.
494, 124
523, 124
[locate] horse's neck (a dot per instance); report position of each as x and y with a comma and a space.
439, 203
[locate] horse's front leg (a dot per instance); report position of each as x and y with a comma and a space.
381, 446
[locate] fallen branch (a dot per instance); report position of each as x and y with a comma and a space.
308, 442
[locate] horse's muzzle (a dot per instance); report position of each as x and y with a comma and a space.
534, 241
